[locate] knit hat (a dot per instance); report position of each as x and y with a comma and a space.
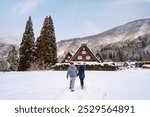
71, 62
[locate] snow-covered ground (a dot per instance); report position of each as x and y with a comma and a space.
53, 85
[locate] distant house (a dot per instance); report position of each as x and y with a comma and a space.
141, 63
126, 64
84, 54
146, 66
67, 57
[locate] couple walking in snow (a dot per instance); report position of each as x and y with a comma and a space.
72, 72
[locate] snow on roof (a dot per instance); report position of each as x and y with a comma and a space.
127, 62
133, 62
146, 65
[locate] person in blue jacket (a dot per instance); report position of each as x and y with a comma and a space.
81, 74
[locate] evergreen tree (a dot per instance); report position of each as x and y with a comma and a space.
53, 39
27, 47
12, 59
46, 53
3, 64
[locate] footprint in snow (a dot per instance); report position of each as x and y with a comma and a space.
90, 92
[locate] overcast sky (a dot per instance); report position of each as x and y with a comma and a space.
72, 18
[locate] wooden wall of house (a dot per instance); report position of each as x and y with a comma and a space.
84, 55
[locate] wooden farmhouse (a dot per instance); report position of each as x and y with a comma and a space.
82, 54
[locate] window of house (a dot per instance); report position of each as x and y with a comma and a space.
79, 57
83, 48
83, 52
88, 57
68, 57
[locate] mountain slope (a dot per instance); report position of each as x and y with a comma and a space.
127, 32
135, 50
4, 49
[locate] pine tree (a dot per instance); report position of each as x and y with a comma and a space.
53, 39
12, 59
46, 45
3, 64
27, 47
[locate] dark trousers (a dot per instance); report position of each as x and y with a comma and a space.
82, 82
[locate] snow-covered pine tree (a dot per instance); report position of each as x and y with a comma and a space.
3, 64
53, 39
26, 49
46, 45
12, 59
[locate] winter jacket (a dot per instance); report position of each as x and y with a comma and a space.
81, 72
72, 71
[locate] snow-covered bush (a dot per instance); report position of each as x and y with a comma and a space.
99, 67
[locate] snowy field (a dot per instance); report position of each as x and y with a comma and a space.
53, 85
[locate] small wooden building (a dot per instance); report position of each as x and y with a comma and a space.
126, 64
146, 66
67, 57
84, 54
